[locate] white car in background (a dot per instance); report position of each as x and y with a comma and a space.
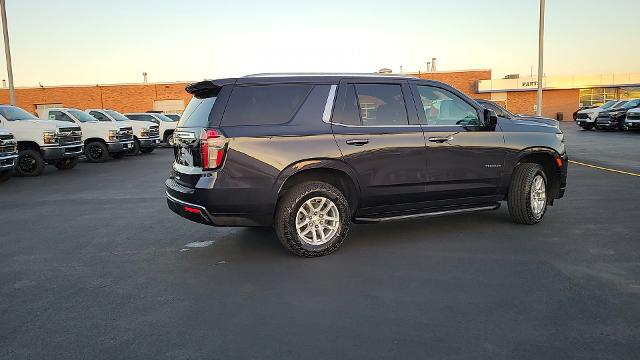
146, 134
166, 124
101, 139
632, 120
586, 118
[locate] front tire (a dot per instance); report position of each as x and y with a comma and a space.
67, 164
312, 219
30, 163
136, 148
96, 152
528, 198
169, 140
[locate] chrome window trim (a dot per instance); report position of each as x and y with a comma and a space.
328, 106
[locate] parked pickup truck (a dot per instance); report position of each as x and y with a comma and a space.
41, 142
310, 154
8, 154
146, 134
166, 124
101, 139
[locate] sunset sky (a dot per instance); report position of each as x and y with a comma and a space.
89, 42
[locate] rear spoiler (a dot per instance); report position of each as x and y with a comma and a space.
208, 88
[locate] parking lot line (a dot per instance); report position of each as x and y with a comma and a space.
604, 168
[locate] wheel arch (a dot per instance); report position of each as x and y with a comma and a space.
331, 171
28, 145
93, 139
547, 158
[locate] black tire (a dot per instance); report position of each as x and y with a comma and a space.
30, 163
169, 140
519, 197
587, 127
287, 210
96, 152
67, 163
135, 150
5, 175
147, 150
118, 155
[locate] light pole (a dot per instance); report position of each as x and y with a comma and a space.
7, 53
540, 58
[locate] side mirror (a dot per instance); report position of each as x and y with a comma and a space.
490, 119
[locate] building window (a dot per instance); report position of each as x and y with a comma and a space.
596, 96
630, 92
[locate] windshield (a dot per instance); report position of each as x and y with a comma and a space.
82, 116
163, 117
116, 115
619, 105
13, 113
631, 104
609, 104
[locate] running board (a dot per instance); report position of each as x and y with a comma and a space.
429, 214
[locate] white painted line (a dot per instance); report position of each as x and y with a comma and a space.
199, 244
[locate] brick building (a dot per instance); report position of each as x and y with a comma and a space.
561, 94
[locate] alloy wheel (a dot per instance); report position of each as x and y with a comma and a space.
27, 164
317, 221
538, 196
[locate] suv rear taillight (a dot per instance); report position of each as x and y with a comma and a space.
212, 149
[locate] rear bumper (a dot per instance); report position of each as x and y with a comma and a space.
116, 147
8, 161
217, 207
52, 153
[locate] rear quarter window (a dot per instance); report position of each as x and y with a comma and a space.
197, 112
264, 104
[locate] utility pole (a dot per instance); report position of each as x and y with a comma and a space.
7, 53
540, 57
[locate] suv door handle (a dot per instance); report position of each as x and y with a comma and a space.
357, 142
440, 139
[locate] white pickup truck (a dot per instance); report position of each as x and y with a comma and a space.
101, 139
8, 154
41, 142
167, 125
146, 135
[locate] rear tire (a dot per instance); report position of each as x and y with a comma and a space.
528, 200
147, 150
30, 163
324, 229
67, 163
96, 152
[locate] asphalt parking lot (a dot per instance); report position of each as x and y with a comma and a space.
93, 265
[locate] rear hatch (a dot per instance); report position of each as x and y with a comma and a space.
199, 145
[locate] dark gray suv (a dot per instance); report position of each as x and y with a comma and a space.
311, 154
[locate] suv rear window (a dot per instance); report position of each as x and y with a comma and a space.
264, 105
197, 112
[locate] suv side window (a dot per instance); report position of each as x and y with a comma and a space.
98, 115
381, 104
265, 104
442, 107
60, 116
